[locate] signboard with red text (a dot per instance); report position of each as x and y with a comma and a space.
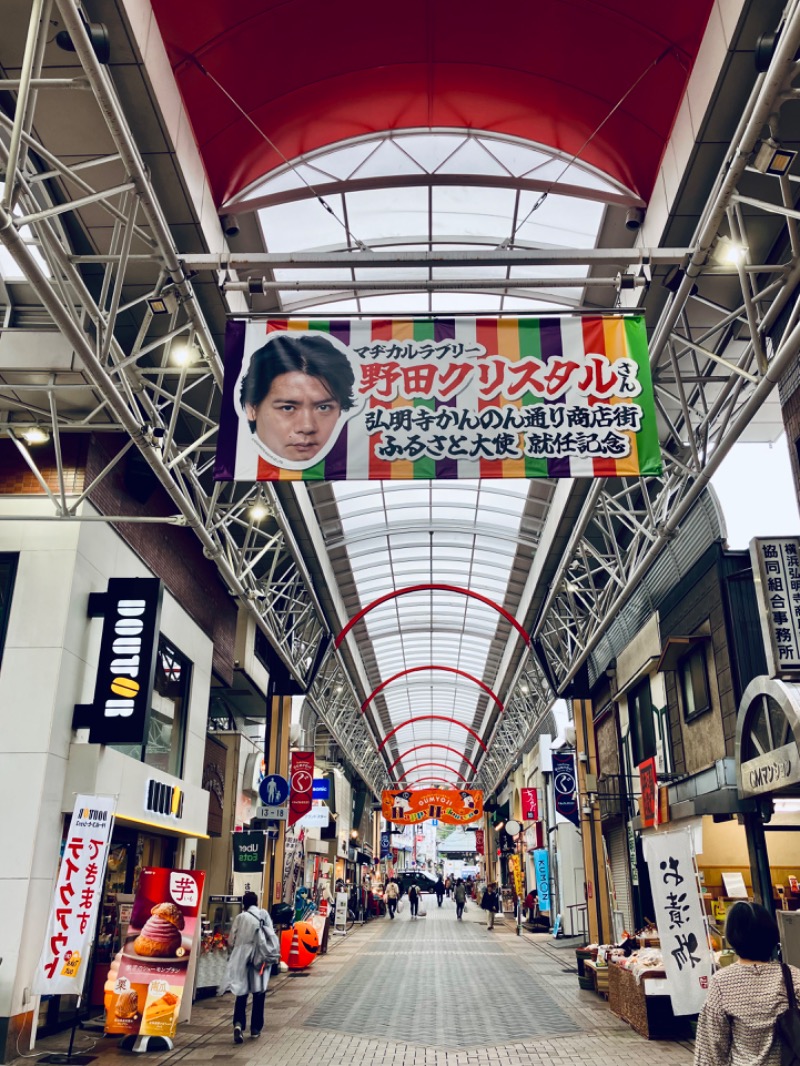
79, 891
147, 977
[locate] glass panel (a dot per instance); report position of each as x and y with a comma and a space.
8, 573
165, 735
694, 683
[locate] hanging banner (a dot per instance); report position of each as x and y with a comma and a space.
301, 784
515, 869
438, 398
565, 786
451, 806
248, 852
648, 779
530, 804
127, 662
541, 864
386, 846
480, 842
79, 892
688, 959
147, 978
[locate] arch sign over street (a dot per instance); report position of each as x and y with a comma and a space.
451, 806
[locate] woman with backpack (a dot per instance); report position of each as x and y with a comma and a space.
253, 946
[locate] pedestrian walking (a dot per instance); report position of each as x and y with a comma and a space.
737, 1023
460, 896
413, 901
242, 976
438, 888
491, 904
392, 895
448, 885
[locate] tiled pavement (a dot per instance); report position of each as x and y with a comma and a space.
431, 992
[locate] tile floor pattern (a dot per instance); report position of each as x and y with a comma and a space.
434, 992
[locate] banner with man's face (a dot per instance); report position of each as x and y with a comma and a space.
437, 398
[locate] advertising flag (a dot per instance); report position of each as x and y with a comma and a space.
301, 784
147, 977
565, 786
648, 779
530, 804
451, 806
79, 892
248, 852
680, 918
541, 863
437, 398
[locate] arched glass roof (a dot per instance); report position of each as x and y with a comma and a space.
438, 191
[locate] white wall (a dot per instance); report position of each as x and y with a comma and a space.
48, 666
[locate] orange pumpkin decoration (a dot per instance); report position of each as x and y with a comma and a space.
299, 945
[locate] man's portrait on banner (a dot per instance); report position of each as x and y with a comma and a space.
296, 392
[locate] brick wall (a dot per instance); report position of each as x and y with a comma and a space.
17, 478
173, 553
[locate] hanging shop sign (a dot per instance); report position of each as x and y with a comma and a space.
148, 975
688, 959
480, 842
530, 804
386, 846
565, 786
451, 806
438, 398
776, 568
79, 890
248, 852
648, 780
541, 864
318, 817
126, 666
301, 783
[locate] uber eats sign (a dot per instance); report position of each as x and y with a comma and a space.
248, 852
126, 668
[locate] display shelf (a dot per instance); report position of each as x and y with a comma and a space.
647, 1010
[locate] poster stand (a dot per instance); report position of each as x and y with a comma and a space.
59, 1058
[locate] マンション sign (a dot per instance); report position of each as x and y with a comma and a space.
774, 770
126, 666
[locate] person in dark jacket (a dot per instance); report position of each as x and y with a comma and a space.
491, 904
460, 896
413, 901
438, 888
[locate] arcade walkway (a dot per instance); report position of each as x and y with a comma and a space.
434, 992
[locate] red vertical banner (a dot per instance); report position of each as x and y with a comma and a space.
648, 779
530, 804
301, 780
480, 846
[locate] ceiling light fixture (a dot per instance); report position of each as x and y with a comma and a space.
729, 253
98, 38
259, 511
163, 304
36, 435
182, 353
772, 159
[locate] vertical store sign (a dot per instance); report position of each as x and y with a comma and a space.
648, 780
776, 568
248, 852
565, 786
530, 804
79, 890
149, 974
301, 784
480, 842
541, 863
680, 919
126, 667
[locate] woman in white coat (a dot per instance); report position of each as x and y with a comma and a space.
241, 977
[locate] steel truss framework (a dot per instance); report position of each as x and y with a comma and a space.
714, 364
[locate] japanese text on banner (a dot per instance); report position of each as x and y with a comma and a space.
679, 916
79, 890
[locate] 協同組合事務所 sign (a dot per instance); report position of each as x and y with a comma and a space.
79, 891
437, 398
776, 566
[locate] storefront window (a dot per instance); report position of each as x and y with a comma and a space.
163, 747
8, 571
167, 727
693, 674
643, 732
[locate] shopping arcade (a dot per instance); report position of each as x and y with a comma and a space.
710, 384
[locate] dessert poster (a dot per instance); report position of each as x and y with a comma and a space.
145, 992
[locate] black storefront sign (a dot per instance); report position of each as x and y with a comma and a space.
248, 852
126, 668
565, 786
